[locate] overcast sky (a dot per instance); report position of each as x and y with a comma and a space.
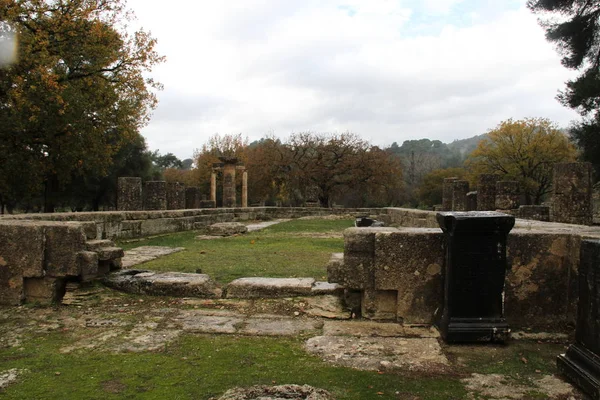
388, 70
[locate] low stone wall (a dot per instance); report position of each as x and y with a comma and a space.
133, 224
398, 272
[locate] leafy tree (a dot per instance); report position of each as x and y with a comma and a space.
76, 95
430, 190
525, 151
576, 31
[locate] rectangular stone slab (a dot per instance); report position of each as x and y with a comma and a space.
252, 288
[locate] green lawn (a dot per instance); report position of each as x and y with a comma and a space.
297, 248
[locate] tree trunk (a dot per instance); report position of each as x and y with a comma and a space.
49, 192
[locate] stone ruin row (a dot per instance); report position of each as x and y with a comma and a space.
158, 195
39, 258
571, 196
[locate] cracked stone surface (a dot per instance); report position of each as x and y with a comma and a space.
380, 353
282, 392
144, 254
501, 387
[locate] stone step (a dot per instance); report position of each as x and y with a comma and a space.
253, 288
109, 253
94, 245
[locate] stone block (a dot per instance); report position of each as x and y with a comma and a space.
63, 242
460, 189
155, 195
252, 288
129, 193
507, 195
541, 285
94, 245
472, 201
410, 262
362, 240
208, 204
109, 253
193, 197
335, 267
45, 290
572, 195
227, 229
176, 284
379, 304
175, 196
486, 192
357, 271
447, 190
21, 249
88, 265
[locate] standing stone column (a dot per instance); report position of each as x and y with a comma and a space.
581, 362
245, 188
229, 195
155, 195
459, 195
472, 201
486, 192
507, 195
192, 197
129, 194
175, 196
572, 200
213, 187
475, 268
447, 190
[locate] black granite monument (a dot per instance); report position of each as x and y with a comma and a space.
474, 271
581, 362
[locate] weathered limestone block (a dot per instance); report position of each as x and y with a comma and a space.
359, 250
486, 192
88, 265
193, 197
335, 267
227, 229
538, 213
63, 242
163, 283
447, 192
507, 195
129, 194
410, 262
175, 196
460, 189
379, 304
21, 254
572, 196
541, 285
155, 195
109, 253
252, 288
46, 290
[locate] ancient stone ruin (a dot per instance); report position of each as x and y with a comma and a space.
229, 166
572, 196
129, 194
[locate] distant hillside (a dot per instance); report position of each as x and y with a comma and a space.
464, 147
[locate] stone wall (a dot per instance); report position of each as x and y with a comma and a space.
37, 258
399, 269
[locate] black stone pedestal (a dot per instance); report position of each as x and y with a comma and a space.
475, 267
581, 363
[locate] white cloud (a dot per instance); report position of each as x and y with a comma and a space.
259, 66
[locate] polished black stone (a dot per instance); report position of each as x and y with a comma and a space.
581, 362
474, 271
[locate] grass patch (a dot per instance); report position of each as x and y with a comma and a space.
200, 367
297, 248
